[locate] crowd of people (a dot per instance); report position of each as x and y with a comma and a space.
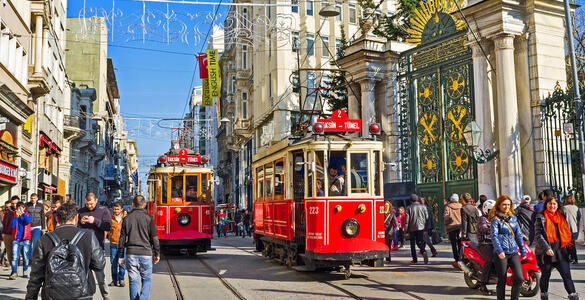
239, 221
62, 247
501, 232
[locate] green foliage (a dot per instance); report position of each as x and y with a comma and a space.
393, 27
336, 95
341, 50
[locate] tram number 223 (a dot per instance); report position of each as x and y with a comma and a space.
313, 210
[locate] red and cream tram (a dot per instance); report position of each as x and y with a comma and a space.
180, 193
319, 202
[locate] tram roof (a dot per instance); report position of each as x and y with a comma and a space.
181, 169
336, 143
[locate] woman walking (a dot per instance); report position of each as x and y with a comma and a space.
573, 216
452, 221
507, 241
401, 221
390, 225
486, 248
552, 238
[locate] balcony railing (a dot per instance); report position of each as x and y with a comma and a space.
71, 121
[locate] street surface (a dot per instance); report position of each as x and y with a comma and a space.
235, 271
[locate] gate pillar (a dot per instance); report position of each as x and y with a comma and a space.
484, 116
368, 105
510, 158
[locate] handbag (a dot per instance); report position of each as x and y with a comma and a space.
436, 238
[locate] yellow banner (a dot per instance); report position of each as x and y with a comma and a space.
214, 75
206, 99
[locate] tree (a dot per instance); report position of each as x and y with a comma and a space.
334, 91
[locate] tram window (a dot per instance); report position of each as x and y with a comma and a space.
358, 172
177, 191
204, 188
336, 171
377, 174
260, 183
298, 177
279, 178
191, 190
164, 194
269, 172
320, 173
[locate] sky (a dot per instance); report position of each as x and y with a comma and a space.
152, 84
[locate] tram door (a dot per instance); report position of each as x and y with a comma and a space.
298, 182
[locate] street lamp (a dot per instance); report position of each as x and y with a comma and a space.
328, 11
472, 134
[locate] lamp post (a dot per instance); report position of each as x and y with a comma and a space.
472, 135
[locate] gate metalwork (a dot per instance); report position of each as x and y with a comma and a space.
436, 91
561, 144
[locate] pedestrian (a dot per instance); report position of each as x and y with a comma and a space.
416, 218
246, 222
47, 207
401, 221
221, 223
573, 216
524, 213
469, 218
429, 227
58, 277
21, 239
486, 248
7, 228
452, 221
37, 227
51, 216
482, 200
507, 241
118, 270
553, 238
139, 240
538, 208
97, 218
390, 225
237, 220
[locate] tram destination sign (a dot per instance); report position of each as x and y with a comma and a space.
340, 122
183, 157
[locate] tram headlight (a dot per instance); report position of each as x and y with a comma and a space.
350, 228
184, 219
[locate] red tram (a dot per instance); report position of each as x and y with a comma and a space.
180, 193
319, 202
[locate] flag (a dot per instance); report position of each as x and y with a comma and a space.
206, 99
202, 58
214, 77
134, 177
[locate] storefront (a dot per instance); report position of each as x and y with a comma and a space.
8, 153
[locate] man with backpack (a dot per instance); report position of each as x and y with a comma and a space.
469, 218
52, 267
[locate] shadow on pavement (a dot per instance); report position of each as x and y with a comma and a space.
5, 293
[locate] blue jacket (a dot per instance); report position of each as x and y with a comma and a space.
22, 226
505, 240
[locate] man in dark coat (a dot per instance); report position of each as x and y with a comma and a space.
524, 213
89, 246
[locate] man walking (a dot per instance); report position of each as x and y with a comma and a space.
524, 213
118, 270
139, 240
97, 218
452, 221
37, 226
469, 218
237, 220
90, 249
7, 228
429, 227
416, 218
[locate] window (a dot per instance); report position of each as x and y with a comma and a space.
320, 173
245, 17
191, 188
337, 46
352, 14
269, 85
177, 189
163, 183
245, 57
309, 6
377, 174
358, 172
244, 105
268, 173
311, 95
295, 6
233, 85
296, 43
310, 44
279, 178
325, 46
336, 174
260, 183
338, 9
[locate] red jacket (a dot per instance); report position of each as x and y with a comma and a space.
19, 224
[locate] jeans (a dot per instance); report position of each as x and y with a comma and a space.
16, 246
246, 230
35, 235
427, 236
100, 277
512, 261
238, 231
139, 267
117, 270
416, 237
220, 230
487, 253
455, 243
564, 268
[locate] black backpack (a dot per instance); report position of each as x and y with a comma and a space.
65, 276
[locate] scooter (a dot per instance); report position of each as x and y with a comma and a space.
472, 264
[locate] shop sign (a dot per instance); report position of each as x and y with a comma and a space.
49, 189
340, 122
8, 132
8, 172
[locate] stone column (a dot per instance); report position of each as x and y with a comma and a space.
353, 102
368, 101
525, 117
510, 158
484, 108
38, 43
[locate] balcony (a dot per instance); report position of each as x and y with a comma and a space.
72, 128
45, 176
38, 83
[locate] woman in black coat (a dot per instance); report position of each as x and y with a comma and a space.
390, 226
